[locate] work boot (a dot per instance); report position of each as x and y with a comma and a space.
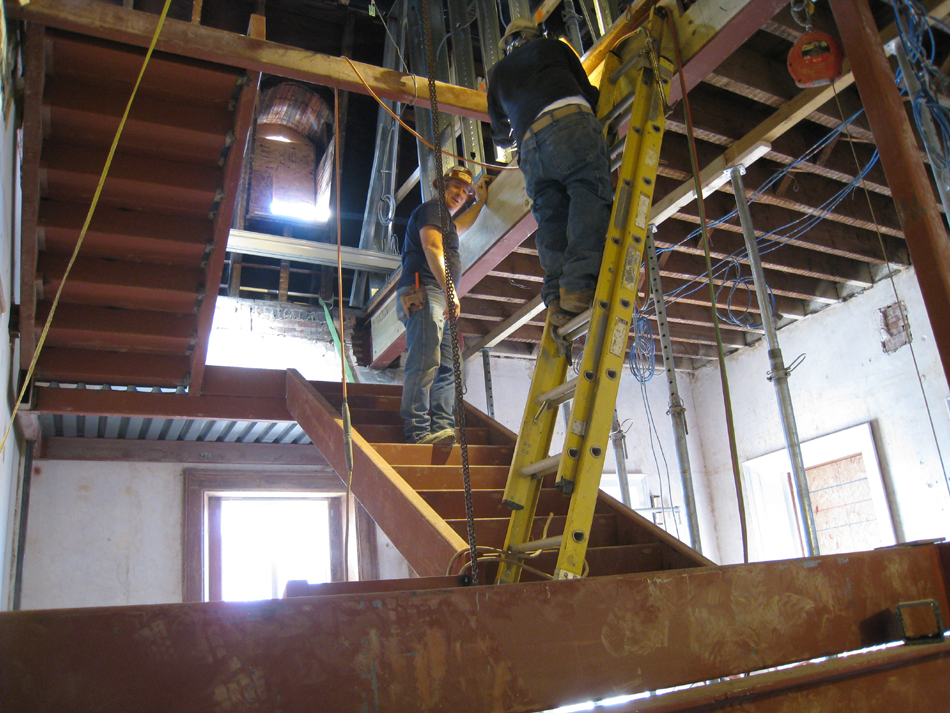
557, 316
445, 437
576, 302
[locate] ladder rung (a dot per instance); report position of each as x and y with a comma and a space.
542, 467
545, 544
558, 394
575, 328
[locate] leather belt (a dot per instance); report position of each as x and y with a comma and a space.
549, 117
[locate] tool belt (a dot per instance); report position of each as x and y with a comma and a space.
414, 298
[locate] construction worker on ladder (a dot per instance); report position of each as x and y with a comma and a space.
540, 100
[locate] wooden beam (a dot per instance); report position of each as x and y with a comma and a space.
133, 27
73, 655
206, 453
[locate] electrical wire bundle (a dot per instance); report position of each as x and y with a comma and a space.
915, 28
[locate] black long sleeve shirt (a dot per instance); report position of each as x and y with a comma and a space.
534, 75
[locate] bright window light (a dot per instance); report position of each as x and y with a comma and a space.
266, 542
300, 210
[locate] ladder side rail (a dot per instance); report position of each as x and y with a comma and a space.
615, 300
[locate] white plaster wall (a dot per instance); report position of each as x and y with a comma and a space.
845, 380
511, 379
9, 248
103, 534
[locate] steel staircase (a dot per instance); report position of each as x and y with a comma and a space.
414, 492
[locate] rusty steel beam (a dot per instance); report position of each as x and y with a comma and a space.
417, 532
243, 118
206, 453
95, 402
517, 648
34, 59
904, 678
917, 208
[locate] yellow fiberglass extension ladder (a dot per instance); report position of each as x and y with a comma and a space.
643, 77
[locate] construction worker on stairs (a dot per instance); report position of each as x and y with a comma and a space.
540, 100
428, 392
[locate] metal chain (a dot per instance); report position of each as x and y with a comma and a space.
450, 291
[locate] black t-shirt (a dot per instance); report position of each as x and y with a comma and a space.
414, 257
533, 76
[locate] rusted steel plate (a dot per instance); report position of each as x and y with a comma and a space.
513, 648
417, 532
905, 678
230, 181
150, 405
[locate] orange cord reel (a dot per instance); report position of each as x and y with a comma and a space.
816, 59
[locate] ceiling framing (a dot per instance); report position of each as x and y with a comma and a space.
137, 307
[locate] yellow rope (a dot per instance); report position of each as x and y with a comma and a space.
82, 233
403, 124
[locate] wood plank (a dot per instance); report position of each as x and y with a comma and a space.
205, 43
688, 626
210, 453
417, 532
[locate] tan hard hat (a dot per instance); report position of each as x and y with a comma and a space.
459, 173
515, 27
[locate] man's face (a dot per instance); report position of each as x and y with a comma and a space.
456, 194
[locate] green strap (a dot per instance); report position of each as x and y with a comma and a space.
336, 341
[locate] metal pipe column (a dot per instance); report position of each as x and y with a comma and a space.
917, 209
620, 455
489, 393
677, 411
778, 374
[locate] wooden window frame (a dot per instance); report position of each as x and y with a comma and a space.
203, 490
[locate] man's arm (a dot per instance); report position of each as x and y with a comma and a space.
431, 238
466, 219
500, 123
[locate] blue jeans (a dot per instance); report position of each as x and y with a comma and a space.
428, 390
567, 175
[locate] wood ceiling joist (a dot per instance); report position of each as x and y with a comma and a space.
727, 242
687, 267
722, 123
854, 244
811, 195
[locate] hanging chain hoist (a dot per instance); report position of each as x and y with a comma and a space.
450, 289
